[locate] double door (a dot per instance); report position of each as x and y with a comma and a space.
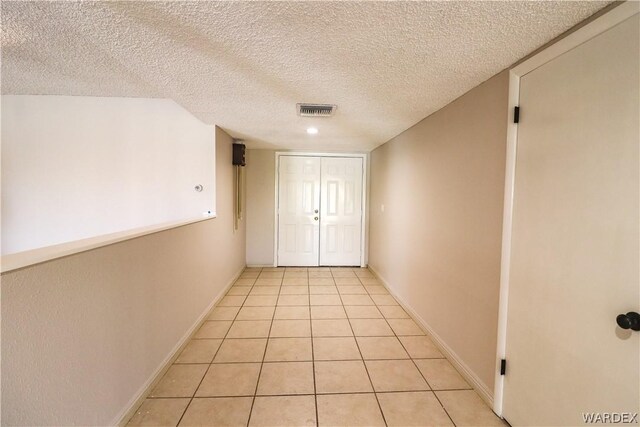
319, 211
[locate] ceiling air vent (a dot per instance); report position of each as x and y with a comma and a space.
316, 110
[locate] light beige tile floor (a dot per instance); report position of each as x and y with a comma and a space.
311, 347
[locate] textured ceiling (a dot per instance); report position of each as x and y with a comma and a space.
245, 65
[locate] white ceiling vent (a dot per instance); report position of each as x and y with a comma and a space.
316, 110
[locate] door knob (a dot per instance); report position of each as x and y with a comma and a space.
631, 320
316, 211
315, 218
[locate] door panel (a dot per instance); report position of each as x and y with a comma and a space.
574, 261
298, 200
341, 211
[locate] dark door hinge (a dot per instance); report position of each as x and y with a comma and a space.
503, 366
516, 115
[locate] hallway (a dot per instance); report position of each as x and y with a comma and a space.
311, 346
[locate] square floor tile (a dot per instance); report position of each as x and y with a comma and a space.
363, 312
239, 290
292, 313
280, 270
381, 348
347, 281
292, 274
213, 329
321, 281
393, 312
415, 409
342, 377
320, 274
233, 379
218, 412
352, 290
357, 300
376, 290
405, 327
255, 313
466, 408
325, 300
265, 290
261, 301
349, 410
290, 329
295, 281
384, 300
395, 375
328, 312
199, 351
249, 329
270, 411
421, 347
369, 281
159, 412
362, 272
231, 301
268, 282
244, 350
300, 300
179, 381
249, 275
224, 313
244, 282
441, 375
289, 350
294, 290
271, 275
323, 290
331, 328
342, 273
341, 348
370, 327
286, 378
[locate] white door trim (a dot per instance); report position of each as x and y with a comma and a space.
589, 31
365, 200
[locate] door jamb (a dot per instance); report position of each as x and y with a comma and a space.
365, 200
581, 35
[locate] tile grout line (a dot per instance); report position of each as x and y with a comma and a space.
214, 356
313, 354
384, 419
264, 354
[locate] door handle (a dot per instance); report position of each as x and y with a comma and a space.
315, 218
631, 320
316, 211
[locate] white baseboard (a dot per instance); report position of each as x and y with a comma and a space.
125, 415
479, 386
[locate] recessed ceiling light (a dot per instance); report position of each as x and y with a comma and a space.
312, 131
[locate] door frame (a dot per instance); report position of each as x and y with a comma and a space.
364, 232
599, 25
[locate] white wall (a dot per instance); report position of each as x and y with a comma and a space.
76, 167
82, 335
260, 212
438, 241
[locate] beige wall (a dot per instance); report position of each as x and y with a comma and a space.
260, 212
437, 243
82, 335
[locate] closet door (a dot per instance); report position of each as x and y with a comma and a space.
298, 211
341, 211
574, 256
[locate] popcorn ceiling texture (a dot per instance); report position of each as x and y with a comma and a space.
244, 65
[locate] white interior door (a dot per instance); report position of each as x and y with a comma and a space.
298, 211
574, 259
341, 211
